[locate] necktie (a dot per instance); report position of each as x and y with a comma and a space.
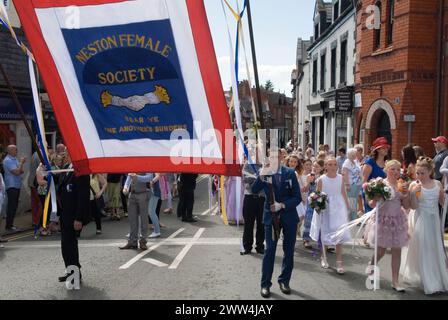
277, 178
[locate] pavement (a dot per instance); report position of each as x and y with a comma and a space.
191, 261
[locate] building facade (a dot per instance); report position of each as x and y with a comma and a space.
301, 95
401, 77
277, 110
12, 127
327, 78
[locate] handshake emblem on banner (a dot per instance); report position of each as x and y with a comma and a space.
136, 102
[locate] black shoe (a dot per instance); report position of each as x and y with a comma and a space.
284, 288
129, 246
260, 251
265, 292
192, 220
65, 276
246, 252
3, 240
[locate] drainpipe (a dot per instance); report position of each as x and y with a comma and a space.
440, 64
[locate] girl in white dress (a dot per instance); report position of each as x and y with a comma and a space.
426, 262
336, 214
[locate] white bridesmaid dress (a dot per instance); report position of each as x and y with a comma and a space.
336, 214
425, 261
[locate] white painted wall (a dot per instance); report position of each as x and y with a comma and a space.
350, 26
303, 93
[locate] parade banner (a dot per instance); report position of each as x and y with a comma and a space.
125, 77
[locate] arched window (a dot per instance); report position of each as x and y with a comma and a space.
390, 21
377, 32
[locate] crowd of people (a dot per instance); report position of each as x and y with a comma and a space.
276, 196
411, 220
114, 196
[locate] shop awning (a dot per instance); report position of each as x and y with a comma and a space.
8, 110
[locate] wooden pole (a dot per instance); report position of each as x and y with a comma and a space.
22, 113
254, 60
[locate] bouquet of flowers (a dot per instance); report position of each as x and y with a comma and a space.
377, 188
318, 201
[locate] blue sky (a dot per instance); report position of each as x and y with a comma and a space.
277, 25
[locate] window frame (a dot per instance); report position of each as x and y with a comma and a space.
334, 68
377, 32
390, 22
343, 62
323, 73
315, 68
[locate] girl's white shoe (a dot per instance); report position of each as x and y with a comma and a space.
340, 268
324, 264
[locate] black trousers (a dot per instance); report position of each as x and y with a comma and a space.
69, 241
253, 211
95, 213
124, 201
13, 202
186, 203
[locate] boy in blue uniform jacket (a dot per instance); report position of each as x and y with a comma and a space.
286, 198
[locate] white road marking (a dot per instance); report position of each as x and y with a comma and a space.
185, 250
202, 178
166, 242
215, 212
208, 211
155, 262
144, 253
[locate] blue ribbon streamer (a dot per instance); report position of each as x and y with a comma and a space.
246, 151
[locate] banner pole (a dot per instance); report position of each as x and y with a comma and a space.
254, 60
22, 113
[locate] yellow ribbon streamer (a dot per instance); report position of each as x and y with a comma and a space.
235, 14
223, 204
47, 204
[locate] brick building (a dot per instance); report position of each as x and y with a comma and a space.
277, 110
400, 89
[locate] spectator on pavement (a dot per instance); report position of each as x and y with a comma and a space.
61, 149
98, 185
441, 146
186, 185
309, 154
36, 204
138, 211
2, 199
340, 159
13, 181
419, 152
113, 193
352, 174
360, 158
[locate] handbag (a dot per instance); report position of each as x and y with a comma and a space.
100, 203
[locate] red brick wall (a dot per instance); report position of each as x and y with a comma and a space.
404, 73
